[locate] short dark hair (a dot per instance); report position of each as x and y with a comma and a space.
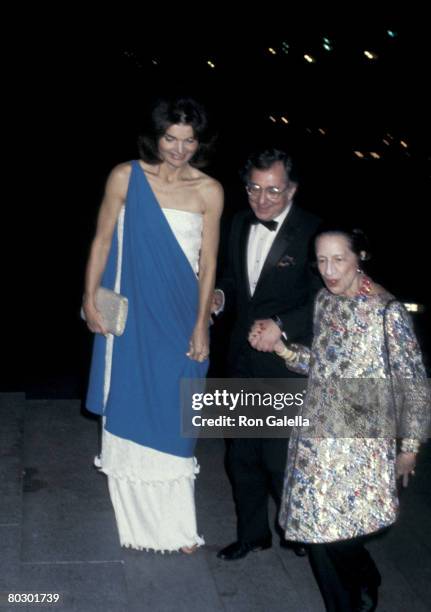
264, 159
173, 111
357, 239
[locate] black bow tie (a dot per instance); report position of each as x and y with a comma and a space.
271, 225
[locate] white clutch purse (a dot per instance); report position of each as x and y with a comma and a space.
113, 307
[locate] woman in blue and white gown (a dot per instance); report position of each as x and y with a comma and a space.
156, 243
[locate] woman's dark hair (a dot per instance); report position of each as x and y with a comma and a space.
358, 241
264, 159
167, 112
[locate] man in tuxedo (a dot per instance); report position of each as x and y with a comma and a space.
270, 283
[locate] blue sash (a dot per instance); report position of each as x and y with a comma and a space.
149, 359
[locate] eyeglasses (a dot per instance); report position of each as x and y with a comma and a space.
272, 193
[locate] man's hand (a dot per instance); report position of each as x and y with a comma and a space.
217, 302
264, 335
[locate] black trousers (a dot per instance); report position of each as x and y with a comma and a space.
341, 569
256, 469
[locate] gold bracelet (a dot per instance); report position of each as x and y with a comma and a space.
288, 355
409, 445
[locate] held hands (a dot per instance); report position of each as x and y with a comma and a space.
264, 335
404, 466
199, 344
93, 317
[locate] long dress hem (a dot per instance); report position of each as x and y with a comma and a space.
152, 491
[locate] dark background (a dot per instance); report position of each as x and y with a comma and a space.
77, 94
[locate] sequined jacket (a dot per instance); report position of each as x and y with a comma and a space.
340, 477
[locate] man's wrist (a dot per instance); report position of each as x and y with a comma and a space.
279, 324
277, 321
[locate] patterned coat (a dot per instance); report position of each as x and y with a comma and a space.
340, 484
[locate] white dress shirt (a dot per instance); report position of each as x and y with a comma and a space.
260, 241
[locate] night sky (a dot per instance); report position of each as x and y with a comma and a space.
358, 127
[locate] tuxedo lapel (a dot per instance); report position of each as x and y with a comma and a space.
283, 240
243, 241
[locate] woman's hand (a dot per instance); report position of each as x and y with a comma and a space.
404, 466
199, 345
279, 347
93, 317
264, 334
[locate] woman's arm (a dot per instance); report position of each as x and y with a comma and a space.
113, 200
296, 356
410, 387
213, 198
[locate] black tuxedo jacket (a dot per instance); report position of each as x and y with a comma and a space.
286, 288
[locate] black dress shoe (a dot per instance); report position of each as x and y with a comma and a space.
239, 550
298, 549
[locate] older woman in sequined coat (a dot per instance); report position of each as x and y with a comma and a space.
367, 386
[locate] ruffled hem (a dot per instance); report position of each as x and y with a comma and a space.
128, 461
155, 515
199, 542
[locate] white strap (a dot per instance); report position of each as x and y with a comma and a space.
117, 287
120, 232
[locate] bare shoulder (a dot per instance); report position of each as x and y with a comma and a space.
117, 184
121, 173
212, 192
213, 186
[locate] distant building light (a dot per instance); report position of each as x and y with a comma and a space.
285, 47
370, 55
210, 64
386, 141
273, 119
404, 144
411, 307
359, 154
285, 120
391, 33
374, 155
327, 44
309, 58
273, 51
322, 131
155, 62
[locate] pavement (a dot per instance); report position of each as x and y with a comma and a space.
58, 533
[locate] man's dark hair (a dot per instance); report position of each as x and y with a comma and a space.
263, 160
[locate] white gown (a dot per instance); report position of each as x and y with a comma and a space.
153, 492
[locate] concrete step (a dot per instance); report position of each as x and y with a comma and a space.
12, 408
